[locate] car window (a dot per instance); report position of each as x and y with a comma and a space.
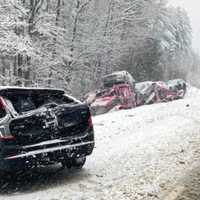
2, 113
23, 103
40, 100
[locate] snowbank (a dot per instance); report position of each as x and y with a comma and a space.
192, 92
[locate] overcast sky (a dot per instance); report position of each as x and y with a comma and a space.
193, 9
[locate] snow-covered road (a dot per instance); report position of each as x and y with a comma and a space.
142, 153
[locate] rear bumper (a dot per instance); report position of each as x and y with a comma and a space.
45, 158
48, 152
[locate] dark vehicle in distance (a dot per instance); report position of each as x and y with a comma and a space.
43, 126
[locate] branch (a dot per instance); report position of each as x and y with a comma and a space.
83, 6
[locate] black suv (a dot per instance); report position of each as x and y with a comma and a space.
43, 126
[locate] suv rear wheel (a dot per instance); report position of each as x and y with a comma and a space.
76, 163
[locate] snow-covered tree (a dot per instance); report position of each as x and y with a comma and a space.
72, 44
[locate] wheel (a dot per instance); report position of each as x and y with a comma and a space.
76, 163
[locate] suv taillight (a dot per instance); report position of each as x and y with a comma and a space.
90, 124
4, 136
2, 103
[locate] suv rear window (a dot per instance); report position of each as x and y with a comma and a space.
24, 102
2, 113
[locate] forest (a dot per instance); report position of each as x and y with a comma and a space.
71, 44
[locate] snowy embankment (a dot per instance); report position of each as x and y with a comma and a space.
140, 154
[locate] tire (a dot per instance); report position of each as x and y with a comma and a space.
76, 163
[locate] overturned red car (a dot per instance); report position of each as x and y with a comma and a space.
117, 92
118, 97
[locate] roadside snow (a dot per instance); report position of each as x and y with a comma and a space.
192, 92
140, 154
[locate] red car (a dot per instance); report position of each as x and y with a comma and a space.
118, 97
163, 93
155, 92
